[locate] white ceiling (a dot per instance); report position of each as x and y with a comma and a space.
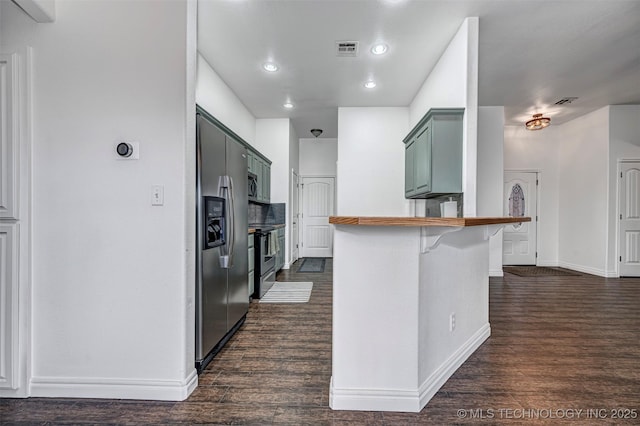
532, 53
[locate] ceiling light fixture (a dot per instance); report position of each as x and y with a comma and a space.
379, 49
270, 67
370, 84
316, 132
288, 105
538, 122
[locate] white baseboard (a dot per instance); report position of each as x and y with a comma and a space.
496, 273
374, 399
587, 269
97, 387
412, 400
438, 378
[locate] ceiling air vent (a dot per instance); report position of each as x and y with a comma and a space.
566, 100
347, 48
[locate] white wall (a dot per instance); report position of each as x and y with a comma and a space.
112, 298
453, 83
273, 139
218, 99
583, 195
624, 143
491, 176
538, 151
318, 157
371, 162
294, 165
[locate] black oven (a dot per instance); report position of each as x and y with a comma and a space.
253, 187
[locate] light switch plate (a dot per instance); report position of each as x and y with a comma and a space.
157, 195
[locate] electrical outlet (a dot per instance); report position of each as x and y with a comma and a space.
452, 322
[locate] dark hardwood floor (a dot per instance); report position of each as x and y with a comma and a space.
558, 345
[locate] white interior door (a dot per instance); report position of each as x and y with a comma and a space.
520, 200
295, 213
629, 219
317, 205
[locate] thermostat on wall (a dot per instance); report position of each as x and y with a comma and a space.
127, 150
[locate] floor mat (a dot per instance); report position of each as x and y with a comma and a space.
312, 264
538, 271
284, 292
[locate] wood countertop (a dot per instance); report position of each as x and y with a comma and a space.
423, 221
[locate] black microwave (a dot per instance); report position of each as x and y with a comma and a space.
253, 187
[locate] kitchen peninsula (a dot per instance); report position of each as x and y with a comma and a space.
410, 305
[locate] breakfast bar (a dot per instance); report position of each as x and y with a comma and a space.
410, 305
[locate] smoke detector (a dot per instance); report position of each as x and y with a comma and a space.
347, 48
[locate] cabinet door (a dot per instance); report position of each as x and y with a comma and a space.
423, 160
257, 164
9, 149
266, 173
409, 168
281, 240
252, 258
250, 162
8, 305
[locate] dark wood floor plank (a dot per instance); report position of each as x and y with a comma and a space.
559, 343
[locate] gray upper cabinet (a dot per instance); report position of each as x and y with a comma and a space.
433, 154
261, 167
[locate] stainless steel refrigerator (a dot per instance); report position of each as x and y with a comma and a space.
222, 292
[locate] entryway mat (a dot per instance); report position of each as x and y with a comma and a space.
288, 292
312, 264
539, 271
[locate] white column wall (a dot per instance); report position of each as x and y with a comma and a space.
371, 162
272, 140
491, 176
294, 165
112, 294
583, 194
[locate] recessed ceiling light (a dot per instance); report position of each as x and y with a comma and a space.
288, 105
379, 49
370, 84
270, 67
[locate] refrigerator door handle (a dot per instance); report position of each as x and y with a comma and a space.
225, 189
231, 222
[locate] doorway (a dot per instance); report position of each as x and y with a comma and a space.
318, 200
629, 234
520, 200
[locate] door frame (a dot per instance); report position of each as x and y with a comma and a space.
618, 238
295, 189
538, 202
301, 203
